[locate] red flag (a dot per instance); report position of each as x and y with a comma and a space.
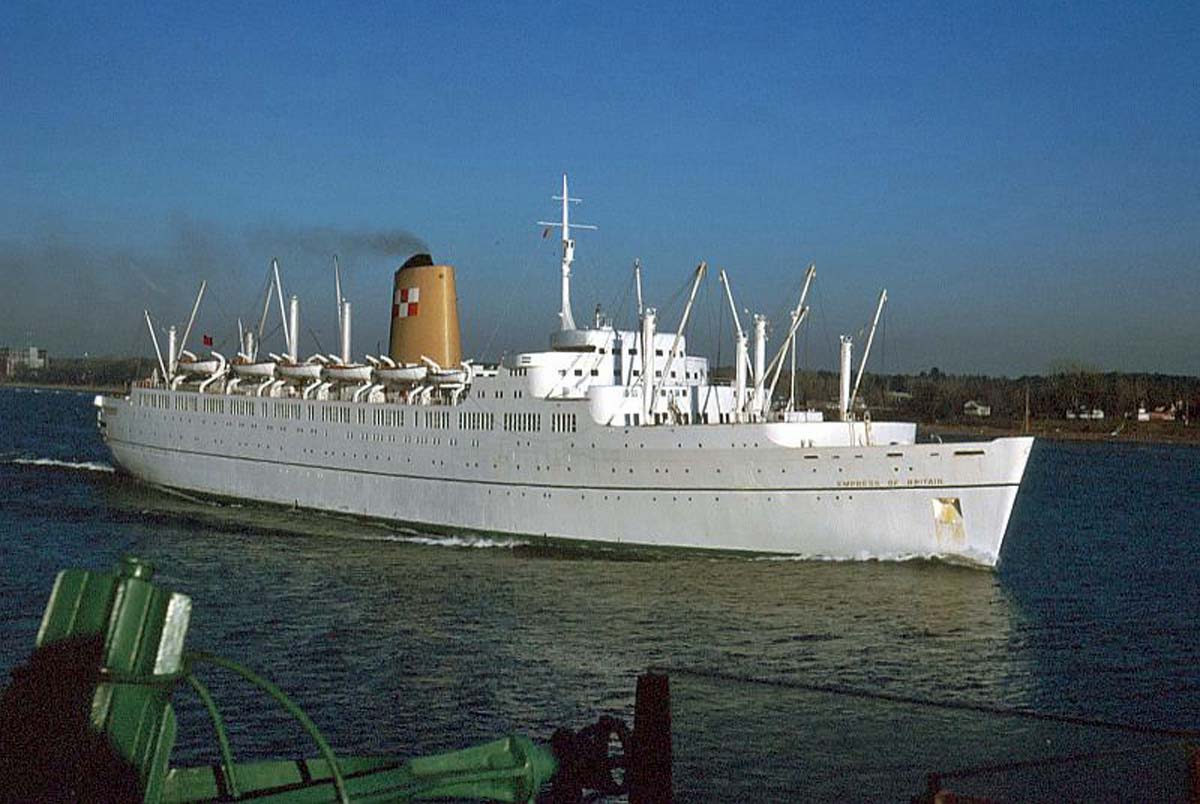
208, 340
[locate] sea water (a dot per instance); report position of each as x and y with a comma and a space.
399, 641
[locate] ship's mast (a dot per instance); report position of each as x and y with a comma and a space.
867, 352
567, 320
294, 328
776, 365
740, 354
637, 278
157, 350
288, 335
192, 318
701, 269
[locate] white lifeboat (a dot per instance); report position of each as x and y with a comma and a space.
389, 372
350, 373
191, 366
447, 376
300, 373
257, 369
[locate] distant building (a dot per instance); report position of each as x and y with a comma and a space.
16, 358
1164, 413
973, 408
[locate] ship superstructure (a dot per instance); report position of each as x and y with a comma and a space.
610, 435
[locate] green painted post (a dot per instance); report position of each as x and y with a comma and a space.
136, 631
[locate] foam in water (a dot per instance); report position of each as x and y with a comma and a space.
412, 537
91, 466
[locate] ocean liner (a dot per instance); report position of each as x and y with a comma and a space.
610, 435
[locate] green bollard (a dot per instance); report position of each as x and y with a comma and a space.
131, 633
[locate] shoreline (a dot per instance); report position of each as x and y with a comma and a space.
90, 389
1065, 430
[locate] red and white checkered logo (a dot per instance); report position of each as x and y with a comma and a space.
404, 305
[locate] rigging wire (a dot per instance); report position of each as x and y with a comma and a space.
513, 288
846, 691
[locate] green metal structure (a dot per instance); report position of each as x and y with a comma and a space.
95, 701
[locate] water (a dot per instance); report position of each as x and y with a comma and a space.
400, 642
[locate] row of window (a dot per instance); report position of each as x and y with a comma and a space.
161, 401
436, 419
522, 422
387, 417
476, 420
346, 414
562, 422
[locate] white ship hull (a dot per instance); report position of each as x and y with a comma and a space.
729, 487
612, 435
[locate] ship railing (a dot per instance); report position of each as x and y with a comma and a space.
840, 738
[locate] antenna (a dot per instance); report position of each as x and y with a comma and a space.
568, 244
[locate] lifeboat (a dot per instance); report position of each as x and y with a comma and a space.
350, 373
389, 372
191, 366
254, 369
300, 373
438, 375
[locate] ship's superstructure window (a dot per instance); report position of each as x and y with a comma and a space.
387, 417
522, 422
437, 419
562, 422
476, 420
242, 407
282, 410
339, 414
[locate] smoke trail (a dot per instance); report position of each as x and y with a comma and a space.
326, 240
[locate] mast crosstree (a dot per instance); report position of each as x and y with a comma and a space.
567, 320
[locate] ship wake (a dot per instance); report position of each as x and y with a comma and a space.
52, 463
426, 540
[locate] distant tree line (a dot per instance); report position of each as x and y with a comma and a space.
100, 372
933, 396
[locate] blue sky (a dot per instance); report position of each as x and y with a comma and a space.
1025, 179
